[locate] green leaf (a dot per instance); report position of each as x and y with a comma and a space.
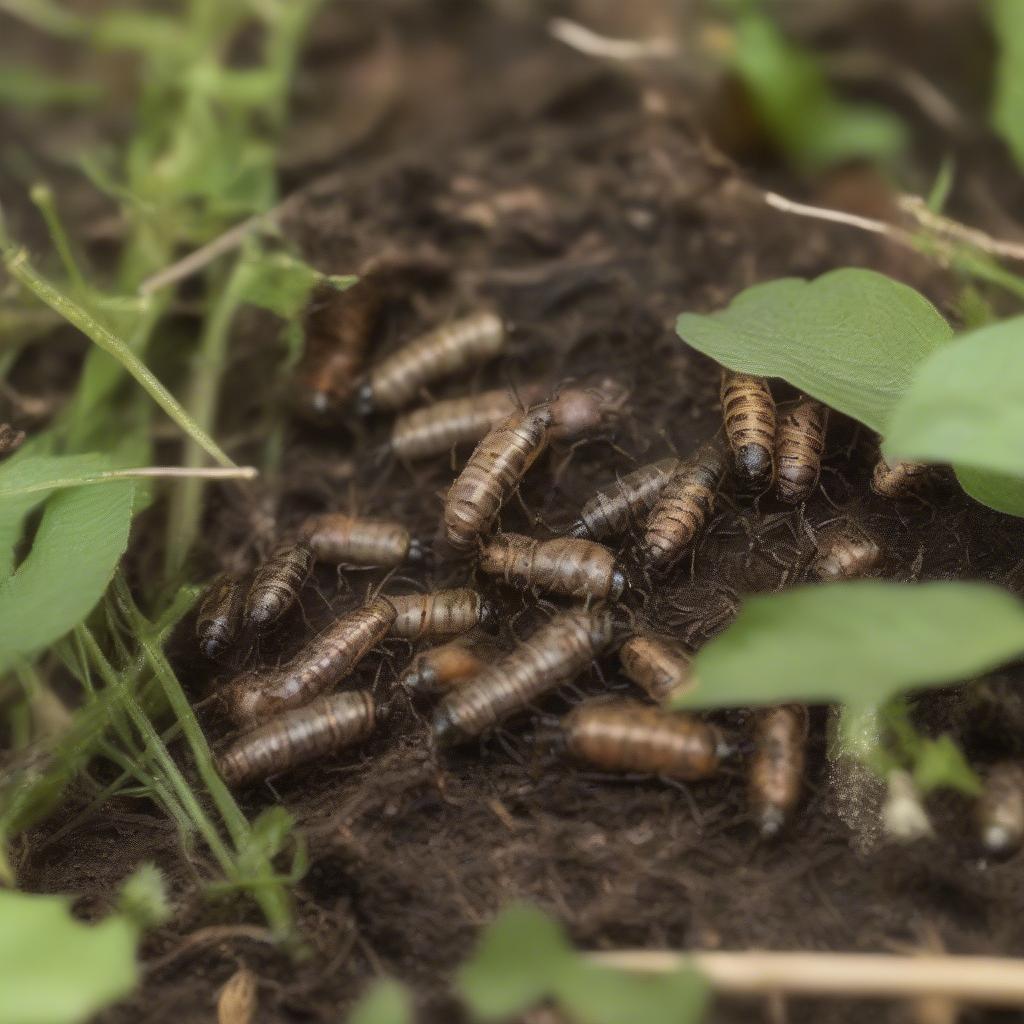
941, 763
1008, 95
520, 960
857, 643
55, 970
850, 338
144, 897
83, 533
387, 1002
600, 995
1000, 491
798, 108
29, 87
281, 283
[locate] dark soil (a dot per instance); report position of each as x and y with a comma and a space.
590, 207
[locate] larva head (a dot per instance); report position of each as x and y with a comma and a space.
420, 678
445, 729
243, 698
755, 466
417, 553
620, 584
214, 643
365, 399
488, 616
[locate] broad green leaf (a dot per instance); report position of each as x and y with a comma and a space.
965, 404
386, 1003
798, 108
56, 970
600, 995
857, 643
850, 338
82, 535
521, 958
1008, 96
1000, 491
941, 762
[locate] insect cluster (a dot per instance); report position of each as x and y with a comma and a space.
636, 529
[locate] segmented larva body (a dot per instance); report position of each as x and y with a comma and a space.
565, 565
338, 325
801, 441
439, 613
661, 669
776, 770
845, 554
327, 725
318, 666
219, 616
436, 429
1000, 808
683, 508
439, 353
620, 736
492, 474
440, 669
276, 584
578, 411
897, 479
555, 654
613, 509
340, 539
749, 413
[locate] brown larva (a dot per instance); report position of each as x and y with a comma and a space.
439, 613
338, 324
898, 479
565, 565
436, 429
749, 414
276, 584
492, 474
10, 439
219, 618
301, 735
776, 770
439, 353
440, 669
683, 508
578, 411
613, 509
801, 441
342, 539
845, 554
325, 661
555, 654
1000, 808
660, 668
620, 736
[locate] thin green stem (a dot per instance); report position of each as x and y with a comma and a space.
42, 196
143, 472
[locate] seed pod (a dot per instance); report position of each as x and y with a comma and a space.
798, 451
492, 474
749, 412
276, 584
301, 735
1000, 808
440, 353
440, 669
237, 1001
620, 736
317, 667
436, 429
898, 479
661, 669
776, 769
338, 325
683, 508
845, 554
565, 565
342, 539
439, 613
219, 616
555, 654
628, 500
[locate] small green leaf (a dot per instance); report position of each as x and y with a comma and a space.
387, 1002
857, 643
850, 338
55, 970
270, 831
281, 283
941, 763
1008, 96
600, 995
144, 897
965, 404
520, 960
29, 87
